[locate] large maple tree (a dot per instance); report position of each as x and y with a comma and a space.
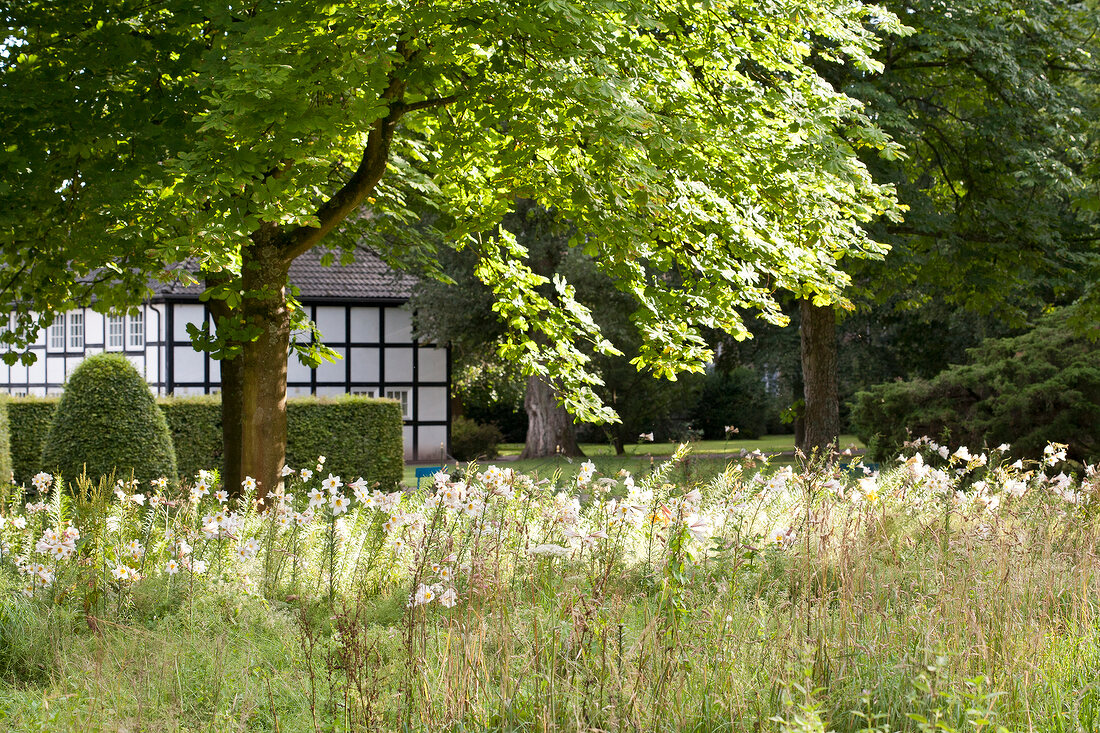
687, 139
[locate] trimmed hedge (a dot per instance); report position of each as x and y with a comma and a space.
107, 421
195, 424
29, 421
375, 452
5, 442
1025, 391
359, 436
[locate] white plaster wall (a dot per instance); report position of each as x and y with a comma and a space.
330, 321
183, 315
364, 364
431, 437
398, 325
296, 371
433, 365
398, 364
364, 324
433, 403
187, 363
332, 371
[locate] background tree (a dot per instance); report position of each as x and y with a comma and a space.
676, 138
460, 312
995, 104
1025, 391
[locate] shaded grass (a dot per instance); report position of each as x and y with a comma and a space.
539, 661
766, 444
707, 459
862, 634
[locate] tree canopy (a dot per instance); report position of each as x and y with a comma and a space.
678, 138
460, 313
996, 105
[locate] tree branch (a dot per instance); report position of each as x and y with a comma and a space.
943, 170
912, 231
930, 64
372, 165
433, 103
15, 276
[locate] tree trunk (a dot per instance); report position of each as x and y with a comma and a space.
550, 428
819, 377
263, 363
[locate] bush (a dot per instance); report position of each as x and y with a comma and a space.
29, 420
736, 398
493, 394
359, 436
508, 418
195, 424
107, 420
1025, 391
5, 442
471, 440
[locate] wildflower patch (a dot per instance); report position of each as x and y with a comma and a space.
620, 598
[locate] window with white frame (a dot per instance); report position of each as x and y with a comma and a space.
116, 332
137, 330
363, 392
402, 396
56, 338
76, 331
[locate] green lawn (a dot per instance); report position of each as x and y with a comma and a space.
767, 444
708, 458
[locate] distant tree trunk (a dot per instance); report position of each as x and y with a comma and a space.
550, 428
819, 377
264, 363
798, 408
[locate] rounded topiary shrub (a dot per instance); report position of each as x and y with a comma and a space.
107, 420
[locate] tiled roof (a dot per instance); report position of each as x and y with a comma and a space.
368, 278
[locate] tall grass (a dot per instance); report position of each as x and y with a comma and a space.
948, 593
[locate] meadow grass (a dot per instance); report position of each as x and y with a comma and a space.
944, 594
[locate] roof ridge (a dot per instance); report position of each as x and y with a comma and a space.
368, 277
